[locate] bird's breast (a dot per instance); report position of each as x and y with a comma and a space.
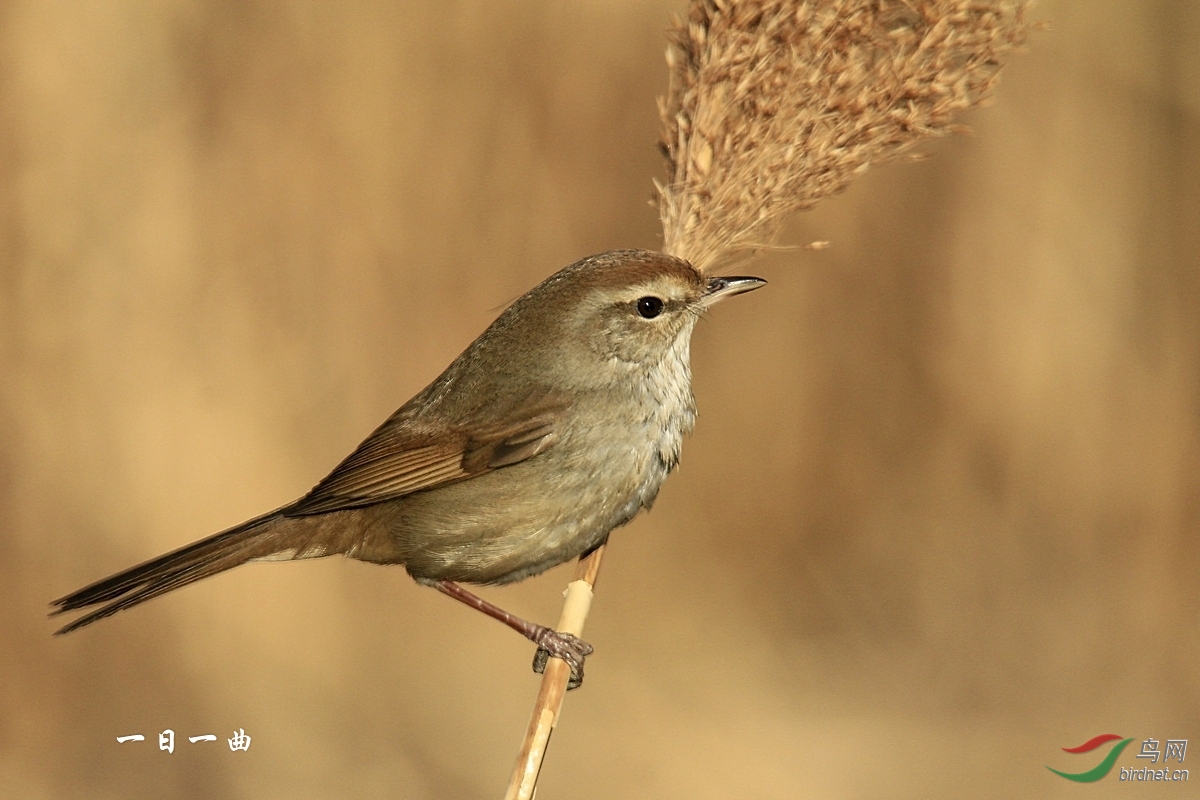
611, 456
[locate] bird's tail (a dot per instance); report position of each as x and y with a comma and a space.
260, 538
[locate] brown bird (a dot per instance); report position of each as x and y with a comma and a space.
557, 425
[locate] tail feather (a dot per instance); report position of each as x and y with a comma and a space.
256, 538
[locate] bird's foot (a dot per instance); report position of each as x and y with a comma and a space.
568, 647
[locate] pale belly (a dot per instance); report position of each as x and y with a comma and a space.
523, 519
520, 520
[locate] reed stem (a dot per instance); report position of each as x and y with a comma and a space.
549, 700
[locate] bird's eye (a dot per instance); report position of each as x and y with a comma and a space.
650, 306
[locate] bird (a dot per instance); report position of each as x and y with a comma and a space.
558, 424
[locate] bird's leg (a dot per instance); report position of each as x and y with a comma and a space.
551, 643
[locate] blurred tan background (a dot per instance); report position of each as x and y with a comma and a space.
938, 520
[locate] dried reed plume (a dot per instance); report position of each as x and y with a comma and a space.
773, 105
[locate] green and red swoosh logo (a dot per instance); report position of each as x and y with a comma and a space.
1100, 770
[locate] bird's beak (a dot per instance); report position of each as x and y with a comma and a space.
728, 286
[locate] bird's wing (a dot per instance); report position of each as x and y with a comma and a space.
404, 456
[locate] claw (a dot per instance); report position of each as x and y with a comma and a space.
568, 647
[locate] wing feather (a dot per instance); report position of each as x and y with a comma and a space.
404, 456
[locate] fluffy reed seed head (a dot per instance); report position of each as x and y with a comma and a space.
774, 104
